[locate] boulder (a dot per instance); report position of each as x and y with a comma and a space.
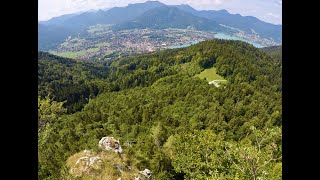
110, 143
146, 173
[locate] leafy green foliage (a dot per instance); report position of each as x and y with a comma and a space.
198, 155
48, 111
203, 155
257, 156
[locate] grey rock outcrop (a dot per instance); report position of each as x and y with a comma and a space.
119, 168
85, 164
110, 143
146, 173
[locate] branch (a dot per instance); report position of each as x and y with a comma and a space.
258, 149
271, 159
234, 162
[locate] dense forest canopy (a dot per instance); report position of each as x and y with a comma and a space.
182, 127
274, 51
69, 80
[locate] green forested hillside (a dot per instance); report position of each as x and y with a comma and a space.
69, 80
179, 126
274, 51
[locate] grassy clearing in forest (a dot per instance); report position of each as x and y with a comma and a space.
210, 75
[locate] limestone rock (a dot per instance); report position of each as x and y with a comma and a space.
85, 164
146, 173
110, 143
119, 168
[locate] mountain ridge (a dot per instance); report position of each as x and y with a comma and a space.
169, 17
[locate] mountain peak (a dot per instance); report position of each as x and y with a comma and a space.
100, 11
147, 3
185, 7
223, 11
151, 1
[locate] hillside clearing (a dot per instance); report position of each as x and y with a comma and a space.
70, 54
212, 77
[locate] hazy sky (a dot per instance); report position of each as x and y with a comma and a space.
266, 10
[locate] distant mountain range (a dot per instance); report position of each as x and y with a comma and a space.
114, 15
153, 14
170, 17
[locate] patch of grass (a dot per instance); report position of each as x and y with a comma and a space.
70, 54
98, 28
92, 50
73, 42
103, 44
210, 75
66, 43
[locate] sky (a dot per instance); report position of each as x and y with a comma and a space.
265, 10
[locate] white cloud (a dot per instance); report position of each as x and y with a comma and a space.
51, 8
278, 3
273, 15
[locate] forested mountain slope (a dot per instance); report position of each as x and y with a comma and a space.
68, 80
274, 51
178, 125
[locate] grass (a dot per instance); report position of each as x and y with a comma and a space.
210, 75
70, 54
74, 42
98, 28
68, 44
103, 44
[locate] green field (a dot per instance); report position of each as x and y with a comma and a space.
103, 44
210, 75
70, 54
68, 44
99, 29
